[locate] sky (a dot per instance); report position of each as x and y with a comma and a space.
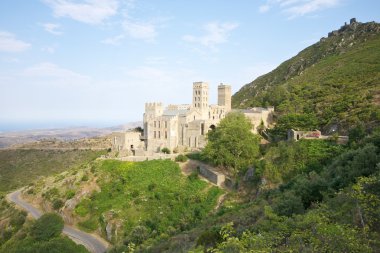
97, 62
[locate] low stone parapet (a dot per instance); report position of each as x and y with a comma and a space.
212, 176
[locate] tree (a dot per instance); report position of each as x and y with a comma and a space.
165, 150
232, 144
48, 226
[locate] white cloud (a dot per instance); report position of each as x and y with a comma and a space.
297, 8
50, 50
216, 33
264, 8
140, 30
115, 41
52, 28
9, 43
56, 74
310, 6
87, 11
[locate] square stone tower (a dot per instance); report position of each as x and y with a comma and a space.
224, 96
200, 98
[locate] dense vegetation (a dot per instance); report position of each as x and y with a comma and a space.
232, 143
145, 202
336, 81
21, 167
309, 196
11, 220
42, 235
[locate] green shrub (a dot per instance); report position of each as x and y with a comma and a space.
48, 226
57, 204
70, 194
193, 176
52, 193
151, 186
209, 238
195, 156
135, 193
85, 177
165, 151
89, 225
181, 158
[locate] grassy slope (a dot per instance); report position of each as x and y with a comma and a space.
339, 83
152, 194
21, 167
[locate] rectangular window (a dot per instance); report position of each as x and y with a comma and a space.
159, 124
159, 134
154, 134
154, 123
166, 124
166, 134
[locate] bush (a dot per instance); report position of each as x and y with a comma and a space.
89, 225
181, 158
193, 176
85, 177
151, 186
48, 226
70, 194
57, 204
139, 234
209, 238
165, 151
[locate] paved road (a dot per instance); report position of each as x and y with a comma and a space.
92, 243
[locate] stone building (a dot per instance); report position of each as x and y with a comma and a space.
126, 143
259, 116
297, 135
186, 125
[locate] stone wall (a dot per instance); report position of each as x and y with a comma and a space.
212, 176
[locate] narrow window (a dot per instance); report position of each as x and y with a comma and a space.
166, 134
155, 134
159, 134
166, 124
154, 123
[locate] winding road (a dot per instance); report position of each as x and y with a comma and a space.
93, 244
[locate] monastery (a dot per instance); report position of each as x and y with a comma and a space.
184, 126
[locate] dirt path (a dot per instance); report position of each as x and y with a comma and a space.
220, 201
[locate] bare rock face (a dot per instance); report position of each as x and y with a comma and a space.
109, 229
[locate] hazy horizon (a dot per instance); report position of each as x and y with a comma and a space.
45, 125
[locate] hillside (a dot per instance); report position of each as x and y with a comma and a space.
21, 167
126, 202
337, 80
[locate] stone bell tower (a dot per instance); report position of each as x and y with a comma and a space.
200, 98
224, 96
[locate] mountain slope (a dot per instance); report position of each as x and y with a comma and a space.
337, 79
